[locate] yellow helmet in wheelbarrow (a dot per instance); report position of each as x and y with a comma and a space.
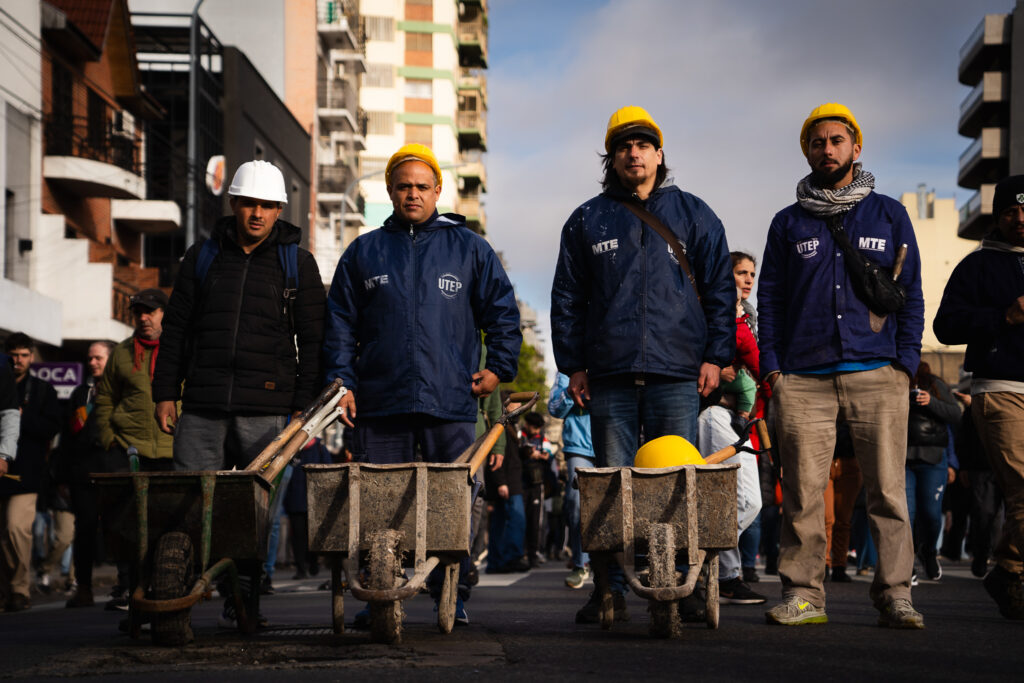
667, 451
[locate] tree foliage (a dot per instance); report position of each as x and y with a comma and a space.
531, 376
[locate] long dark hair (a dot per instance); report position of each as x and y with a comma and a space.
611, 178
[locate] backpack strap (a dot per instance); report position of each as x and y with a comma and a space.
207, 253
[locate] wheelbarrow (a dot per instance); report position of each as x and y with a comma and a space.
156, 520
667, 513
395, 516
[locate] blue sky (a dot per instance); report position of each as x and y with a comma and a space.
730, 83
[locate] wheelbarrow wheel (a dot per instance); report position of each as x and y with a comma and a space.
665, 621
172, 574
711, 606
386, 574
449, 594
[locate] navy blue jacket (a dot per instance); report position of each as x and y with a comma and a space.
808, 313
620, 302
404, 315
973, 312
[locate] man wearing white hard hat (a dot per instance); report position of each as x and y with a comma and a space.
242, 334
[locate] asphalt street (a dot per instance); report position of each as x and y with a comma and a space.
522, 627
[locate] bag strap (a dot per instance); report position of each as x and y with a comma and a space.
835, 226
207, 253
677, 247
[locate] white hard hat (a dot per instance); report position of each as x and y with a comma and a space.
259, 180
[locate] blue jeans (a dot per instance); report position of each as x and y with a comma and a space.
506, 530
750, 539
275, 523
624, 415
925, 486
572, 508
622, 411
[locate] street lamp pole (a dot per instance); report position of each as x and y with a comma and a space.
193, 134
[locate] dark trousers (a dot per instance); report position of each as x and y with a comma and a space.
411, 438
986, 502
533, 502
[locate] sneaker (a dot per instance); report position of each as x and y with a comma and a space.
118, 599
1006, 589
735, 592
577, 577
795, 611
266, 586
913, 581
536, 561
899, 613
750, 575
932, 568
81, 598
839, 575
43, 583
461, 617
70, 586
864, 571
18, 603
590, 613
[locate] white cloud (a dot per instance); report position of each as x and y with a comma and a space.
730, 83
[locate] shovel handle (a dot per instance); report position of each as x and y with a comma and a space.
719, 456
485, 449
762, 435
520, 397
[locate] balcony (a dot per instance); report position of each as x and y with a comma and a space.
470, 207
472, 172
334, 187
90, 159
986, 159
336, 104
976, 214
987, 49
472, 127
987, 105
474, 79
337, 22
345, 62
473, 42
146, 216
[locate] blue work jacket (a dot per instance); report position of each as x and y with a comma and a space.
620, 303
404, 315
808, 314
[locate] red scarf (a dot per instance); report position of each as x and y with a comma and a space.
140, 354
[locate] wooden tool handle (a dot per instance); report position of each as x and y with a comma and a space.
721, 455
762, 435
897, 266
485, 448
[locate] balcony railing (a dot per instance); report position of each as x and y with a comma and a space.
976, 36
974, 149
973, 97
470, 120
336, 94
73, 136
334, 179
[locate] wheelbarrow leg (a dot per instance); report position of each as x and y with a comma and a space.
665, 621
711, 607
602, 588
337, 597
449, 594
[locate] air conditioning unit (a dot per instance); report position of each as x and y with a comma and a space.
124, 124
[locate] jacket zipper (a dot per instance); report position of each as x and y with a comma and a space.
643, 293
234, 333
413, 308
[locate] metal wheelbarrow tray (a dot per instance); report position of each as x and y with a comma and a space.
386, 512
660, 512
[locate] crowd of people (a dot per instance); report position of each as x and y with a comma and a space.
653, 334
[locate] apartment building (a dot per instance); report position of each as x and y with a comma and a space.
425, 82
992, 114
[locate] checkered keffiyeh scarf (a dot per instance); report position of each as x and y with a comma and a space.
822, 202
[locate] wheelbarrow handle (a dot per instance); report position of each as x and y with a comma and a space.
521, 397
282, 439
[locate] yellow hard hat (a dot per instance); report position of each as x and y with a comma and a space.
413, 150
667, 451
630, 117
830, 110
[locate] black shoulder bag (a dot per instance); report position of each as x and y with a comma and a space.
875, 285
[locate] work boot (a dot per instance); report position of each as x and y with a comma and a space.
839, 575
590, 613
1006, 589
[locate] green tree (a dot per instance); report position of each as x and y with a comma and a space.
531, 376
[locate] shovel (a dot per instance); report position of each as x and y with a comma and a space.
514, 406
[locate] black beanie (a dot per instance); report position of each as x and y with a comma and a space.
1009, 192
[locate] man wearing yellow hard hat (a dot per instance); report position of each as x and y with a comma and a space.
841, 317
642, 304
405, 313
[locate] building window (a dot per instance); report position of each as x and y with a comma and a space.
467, 103
419, 88
380, 28
96, 111
380, 123
422, 134
419, 42
379, 76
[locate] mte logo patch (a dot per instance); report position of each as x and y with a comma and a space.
871, 243
449, 285
375, 281
807, 248
602, 247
